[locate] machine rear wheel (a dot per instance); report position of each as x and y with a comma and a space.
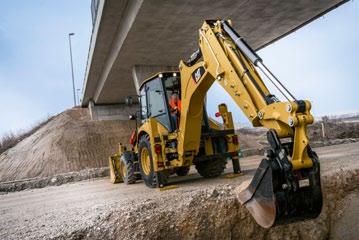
149, 176
211, 168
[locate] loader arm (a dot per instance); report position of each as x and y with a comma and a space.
291, 168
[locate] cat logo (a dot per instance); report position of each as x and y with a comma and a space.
197, 74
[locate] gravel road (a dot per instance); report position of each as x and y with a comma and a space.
95, 209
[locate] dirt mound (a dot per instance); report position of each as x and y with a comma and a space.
250, 138
71, 141
337, 131
334, 129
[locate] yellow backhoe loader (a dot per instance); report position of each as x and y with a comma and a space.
174, 131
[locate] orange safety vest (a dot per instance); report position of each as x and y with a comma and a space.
175, 104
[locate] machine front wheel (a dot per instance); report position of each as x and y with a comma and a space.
149, 176
127, 168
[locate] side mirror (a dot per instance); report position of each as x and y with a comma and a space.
129, 101
132, 117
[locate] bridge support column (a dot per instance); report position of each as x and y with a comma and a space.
112, 111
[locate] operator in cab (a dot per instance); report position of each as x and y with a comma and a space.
175, 108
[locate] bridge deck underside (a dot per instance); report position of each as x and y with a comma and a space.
160, 33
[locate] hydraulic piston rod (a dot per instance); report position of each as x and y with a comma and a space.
256, 60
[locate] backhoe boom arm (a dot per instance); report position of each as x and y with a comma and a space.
234, 69
223, 56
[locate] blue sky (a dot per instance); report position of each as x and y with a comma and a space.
319, 62
35, 74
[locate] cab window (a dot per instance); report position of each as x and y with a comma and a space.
156, 102
143, 104
172, 86
155, 98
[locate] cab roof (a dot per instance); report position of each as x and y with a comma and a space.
157, 75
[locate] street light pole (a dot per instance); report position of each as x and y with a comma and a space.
72, 69
78, 96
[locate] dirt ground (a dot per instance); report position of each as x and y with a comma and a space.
198, 209
71, 141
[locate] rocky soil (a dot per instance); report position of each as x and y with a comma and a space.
198, 209
215, 213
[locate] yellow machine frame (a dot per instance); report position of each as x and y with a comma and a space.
224, 57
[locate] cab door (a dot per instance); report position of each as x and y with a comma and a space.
156, 105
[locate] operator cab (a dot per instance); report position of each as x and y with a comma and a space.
157, 95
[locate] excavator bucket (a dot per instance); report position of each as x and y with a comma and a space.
259, 196
276, 196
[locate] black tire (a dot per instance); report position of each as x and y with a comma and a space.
151, 178
127, 168
211, 168
182, 171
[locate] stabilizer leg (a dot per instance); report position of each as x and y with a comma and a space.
236, 165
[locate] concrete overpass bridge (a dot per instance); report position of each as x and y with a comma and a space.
132, 39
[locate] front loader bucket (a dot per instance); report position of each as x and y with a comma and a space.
271, 200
